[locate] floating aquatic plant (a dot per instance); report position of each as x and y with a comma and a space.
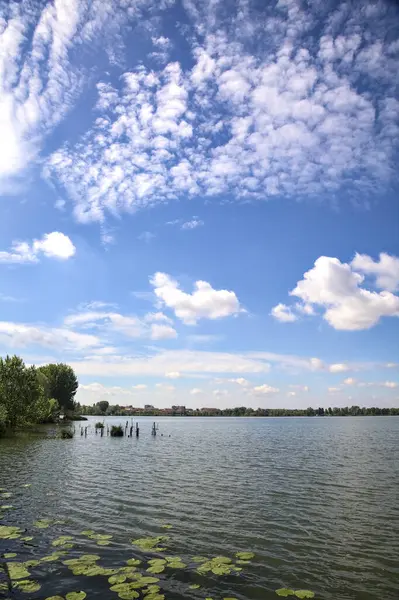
10, 532
55, 598
304, 594
28, 538
134, 562
166, 526
6, 507
26, 485
117, 579
63, 540
76, 595
31, 563
42, 523
17, 570
284, 592
10, 555
156, 569
245, 555
28, 586
150, 543
6, 494
87, 532
194, 586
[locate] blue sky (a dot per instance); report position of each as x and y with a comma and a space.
199, 200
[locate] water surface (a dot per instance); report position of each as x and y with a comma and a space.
316, 500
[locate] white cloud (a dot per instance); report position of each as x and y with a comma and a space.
386, 269
162, 332
338, 368
139, 386
350, 381
268, 109
204, 303
283, 313
165, 388
19, 335
52, 245
338, 288
193, 224
195, 391
265, 389
157, 316
333, 390
300, 388
173, 375
240, 381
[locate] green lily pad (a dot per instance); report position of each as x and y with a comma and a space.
55, 598
285, 592
31, 563
129, 595
166, 526
221, 570
194, 586
228, 598
103, 543
7, 507
304, 594
156, 569
52, 557
245, 555
28, 538
8, 532
28, 586
117, 579
89, 557
208, 598
76, 595
6, 494
158, 561
243, 562
177, 565
134, 562
42, 523
150, 543
26, 485
120, 587
199, 559
221, 560
10, 555
152, 590
155, 597
17, 570
62, 541
87, 532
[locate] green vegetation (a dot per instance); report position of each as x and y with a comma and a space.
116, 431
30, 395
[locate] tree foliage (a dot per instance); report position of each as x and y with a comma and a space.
27, 394
103, 406
62, 384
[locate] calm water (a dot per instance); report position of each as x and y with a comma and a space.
316, 500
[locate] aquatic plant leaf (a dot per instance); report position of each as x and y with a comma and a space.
159, 561
243, 562
116, 579
7, 532
221, 570
55, 598
42, 523
166, 526
62, 541
120, 587
129, 595
52, 557
199, 559
26, 485
28, 538
31, 563
7, 507
28, 586
76, 595
245, 555
194, 586
177, 565
103, 536
304, 594
221, 560
103, 543
150, 543
17, 570
89, 557
208, 598
155, 597
229, 598
152, 589
10, 555
108, 572
6, 494
156, 569
87, 532
133, 562
148, 580
285, 592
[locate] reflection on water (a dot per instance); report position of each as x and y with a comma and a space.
314, 499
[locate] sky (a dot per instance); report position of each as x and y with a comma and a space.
199, 199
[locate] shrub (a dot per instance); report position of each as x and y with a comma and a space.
66, 434
99, 425
116, 431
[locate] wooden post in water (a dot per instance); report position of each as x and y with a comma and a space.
137, 430
154, 429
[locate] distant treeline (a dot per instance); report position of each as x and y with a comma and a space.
105, 409
30, 395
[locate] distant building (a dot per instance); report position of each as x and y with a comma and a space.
148, 407
180, 410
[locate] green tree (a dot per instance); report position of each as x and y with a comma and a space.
62, 384
20, 390
103, 406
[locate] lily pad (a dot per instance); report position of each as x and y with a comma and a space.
128, 595
7, 507
28, 538
28, 586
26, 485
243, 562
31, 563
103, 543
116, 579
150, 543
152, 589
55, 598
76, 595
6, 494
194, 586
166, 526
304, 594
8, 532
17, 570
42, 523
156, 569
245, 555
89, 557
221, 570
62, 541
285, 592
134, 562
177, 565
10, 555
227, 598
87, 532
221, 560
155, 597
199, 559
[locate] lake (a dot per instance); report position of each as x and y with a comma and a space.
315, 500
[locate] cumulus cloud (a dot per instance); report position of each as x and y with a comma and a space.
350, 381
52, 245
195, 391
139, 386
283, 313
265, 389
162, 332
173, 375
204, 303
339, 289
19, 335
284, 101
338, 368
193, 224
